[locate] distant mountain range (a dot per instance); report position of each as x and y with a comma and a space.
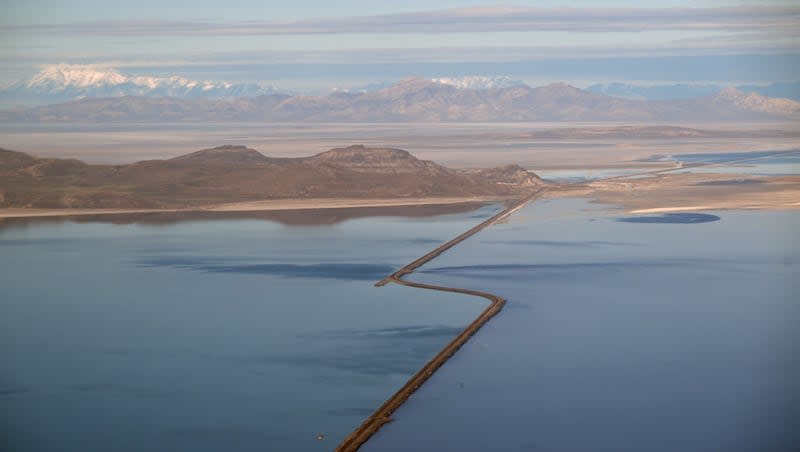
786, 90
417, 99
63, 83
237, 173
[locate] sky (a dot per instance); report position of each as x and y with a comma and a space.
319, 44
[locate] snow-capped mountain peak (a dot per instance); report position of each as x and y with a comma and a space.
64, 82
67, 75
478, 82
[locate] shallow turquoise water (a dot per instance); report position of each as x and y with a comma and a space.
621, 336
216, 335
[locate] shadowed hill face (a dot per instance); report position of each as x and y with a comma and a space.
237, 173
10, 160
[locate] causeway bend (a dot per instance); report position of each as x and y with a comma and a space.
384, 414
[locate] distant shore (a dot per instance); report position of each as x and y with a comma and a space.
258, 206
688, 192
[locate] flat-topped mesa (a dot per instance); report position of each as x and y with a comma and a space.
366, 159
228, 154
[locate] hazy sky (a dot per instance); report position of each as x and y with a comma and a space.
321, 44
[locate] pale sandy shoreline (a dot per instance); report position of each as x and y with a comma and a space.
721, 206
687, 192
259, 206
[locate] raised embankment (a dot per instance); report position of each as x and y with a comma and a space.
384, 414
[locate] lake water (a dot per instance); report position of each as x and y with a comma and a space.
212, 335
669, 333
657, 332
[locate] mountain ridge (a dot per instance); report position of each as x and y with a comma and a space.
418, 100
66, 82
228, 174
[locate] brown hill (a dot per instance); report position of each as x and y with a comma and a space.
10, 160
236, 173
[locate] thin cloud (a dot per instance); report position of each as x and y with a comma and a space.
469, 20
708, 46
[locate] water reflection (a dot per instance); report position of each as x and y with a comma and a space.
672, 218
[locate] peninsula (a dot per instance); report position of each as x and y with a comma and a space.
237, 178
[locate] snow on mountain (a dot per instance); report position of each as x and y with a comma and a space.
65, 82
62, 76
478, 82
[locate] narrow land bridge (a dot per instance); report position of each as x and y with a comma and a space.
384, 414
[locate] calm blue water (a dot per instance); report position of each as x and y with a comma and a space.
209, 336
619, 336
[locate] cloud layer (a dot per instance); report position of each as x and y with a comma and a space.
784, 20
725, 44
